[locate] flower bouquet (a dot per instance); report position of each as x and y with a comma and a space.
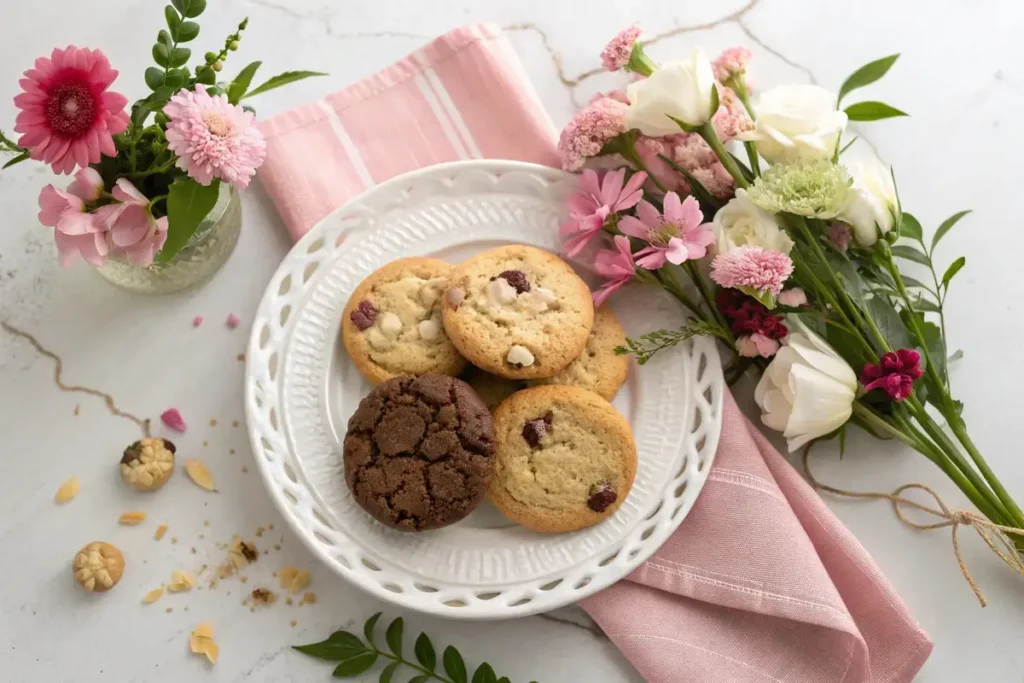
801, 271
147, 177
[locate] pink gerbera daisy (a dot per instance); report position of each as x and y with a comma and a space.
615, 264
213, 138
752, 270
595, 199
674, 236
67, 116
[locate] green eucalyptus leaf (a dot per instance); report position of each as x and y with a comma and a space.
161, 55
953, 269
173, 20
425, 654
179, 56
889, 323
394, 636
190, 8
911, 227
16, 160
453, 665
154, 77
283, 79
188, 203
341, 645
356, 664
187, 31
947, 225
909, 253
484, 674
388, 672
867, 74
872, 111
368, 627
240, 85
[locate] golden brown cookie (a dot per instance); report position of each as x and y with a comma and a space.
517, 312
392, 326
565, 458
598, 368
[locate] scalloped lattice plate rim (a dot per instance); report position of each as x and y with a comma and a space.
299, 391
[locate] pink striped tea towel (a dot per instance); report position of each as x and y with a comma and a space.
761, 582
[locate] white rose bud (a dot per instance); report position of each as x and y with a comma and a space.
871, 211
741, 223
520, 355
683, 90
390, 324
796, 123
807, 390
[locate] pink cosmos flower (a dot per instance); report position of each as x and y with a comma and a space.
615, 54
590, 130
752, 268
213, 138
136, 234
794, 297
732, 62
757, 344
595, 199
67, 116
615, 264
895, 373
672, 237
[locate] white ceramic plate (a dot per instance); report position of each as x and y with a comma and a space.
301, 388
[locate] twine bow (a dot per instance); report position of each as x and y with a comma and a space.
996, 536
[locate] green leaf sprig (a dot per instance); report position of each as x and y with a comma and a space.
355, 657
8, 146
651, 343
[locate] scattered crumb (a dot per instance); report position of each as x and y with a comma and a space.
173, 419
232, 321
202, 535
174, 539
181, 582
153, 595
277, 547
160, 531
259, 531
270, 526
234, 423
206, 522
186, 606
67, 491
132, 518
169, 610
77, 408
293, 623
288, 601
231, 451
201, 642
213, 422
197, 321
293, 580
266, 552
193, 549
262, 596
205, 443
309, 599
240, 357
199, 475
245, 470
243, 579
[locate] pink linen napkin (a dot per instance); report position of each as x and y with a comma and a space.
761, 582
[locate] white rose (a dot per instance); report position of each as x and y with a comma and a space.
683, 90
807, 390
796, 123
871, 211
741, 222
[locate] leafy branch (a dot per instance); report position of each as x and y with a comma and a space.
651, 343
355, 657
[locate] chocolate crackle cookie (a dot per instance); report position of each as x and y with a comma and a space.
517, 312
565, 458
392, 326
598, 368
419, 452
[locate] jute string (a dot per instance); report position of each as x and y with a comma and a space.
996, 536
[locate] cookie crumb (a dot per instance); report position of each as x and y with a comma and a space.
262, 596
234, 423
174, 539
259, 531
132, 518
206, 522
193, 549
293, 623
292, 579
169, 610
309, 599
231, 451
205, 443
240, 358
76, 408
181, 582
288, 601
243, 579
201, 642
160, 531
67, 491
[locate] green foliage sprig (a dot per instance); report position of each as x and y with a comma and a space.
354, 657
651, 343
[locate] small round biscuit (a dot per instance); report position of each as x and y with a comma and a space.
565, 458
392, 326
517, 312
598, 368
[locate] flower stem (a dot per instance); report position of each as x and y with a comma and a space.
958, 429
707, 131
152, 171
709, 297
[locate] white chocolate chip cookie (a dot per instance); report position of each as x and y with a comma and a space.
517, 312
392, 326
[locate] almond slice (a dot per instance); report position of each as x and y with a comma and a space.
67, 491
181, 581
293, 580
132, 518
153, 595
199, 475
160, 531
211, 650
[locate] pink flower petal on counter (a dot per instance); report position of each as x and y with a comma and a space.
173, 419
197, 321
232, 321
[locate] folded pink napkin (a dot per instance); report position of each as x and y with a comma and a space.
761, 582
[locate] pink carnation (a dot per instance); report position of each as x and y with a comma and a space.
213, 138
589, 131
752, 268
895, 373
731, 63
615, 54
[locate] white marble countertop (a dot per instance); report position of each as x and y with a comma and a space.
961, 78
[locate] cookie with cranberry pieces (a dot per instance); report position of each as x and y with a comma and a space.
565, 458
517, 312
392, 326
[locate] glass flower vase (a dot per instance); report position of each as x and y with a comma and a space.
203, 255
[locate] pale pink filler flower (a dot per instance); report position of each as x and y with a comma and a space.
595, 199
213, 138
590, 130
753, 268
68, 118
615, 54
617, 266
134, 232
674, 236
731, 62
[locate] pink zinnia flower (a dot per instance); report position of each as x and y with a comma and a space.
615, 54
757, 344
672, 237
595, 199
894, 374
752, 268
136, 234
732, 62
615, 264
67, 116
590, 130
213, 138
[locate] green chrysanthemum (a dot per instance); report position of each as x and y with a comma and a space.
818, 189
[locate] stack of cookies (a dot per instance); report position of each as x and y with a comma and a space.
531, 427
